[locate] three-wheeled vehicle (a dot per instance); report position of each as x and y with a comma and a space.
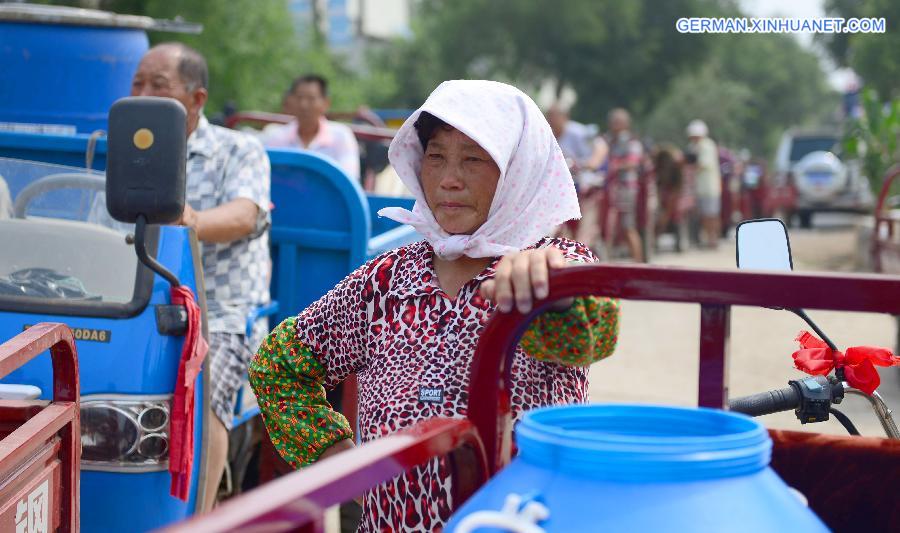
56, 265
61, 262
39, 440
846, 479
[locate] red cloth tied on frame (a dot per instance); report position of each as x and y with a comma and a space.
815, 358
181, 437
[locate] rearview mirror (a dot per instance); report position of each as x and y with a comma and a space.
763, 245
145, 167
146, 159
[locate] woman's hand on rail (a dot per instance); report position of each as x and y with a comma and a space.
522, 278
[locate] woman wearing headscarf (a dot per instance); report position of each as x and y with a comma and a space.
490, 183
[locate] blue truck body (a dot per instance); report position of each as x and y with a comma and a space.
322, 229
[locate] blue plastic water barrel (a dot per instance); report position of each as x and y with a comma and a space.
637, 468
65, 67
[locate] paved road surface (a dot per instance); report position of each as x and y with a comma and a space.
656, 360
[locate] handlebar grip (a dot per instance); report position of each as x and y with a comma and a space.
765, 403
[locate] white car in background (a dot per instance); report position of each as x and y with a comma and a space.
824, 182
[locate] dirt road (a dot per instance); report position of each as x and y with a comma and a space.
656, 360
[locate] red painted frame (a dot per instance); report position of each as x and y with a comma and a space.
38, 439
298, 498
715, 291
297, 502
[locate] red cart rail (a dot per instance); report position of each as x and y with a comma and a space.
40, 447
280, 506
297, 501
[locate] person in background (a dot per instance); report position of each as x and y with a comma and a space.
227, 193
708, 181
667, 162
730, 168
625, 155
307, 100
586, 155
575, 139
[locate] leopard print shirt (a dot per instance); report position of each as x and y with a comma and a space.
411, 345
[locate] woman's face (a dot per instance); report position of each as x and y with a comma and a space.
459, 178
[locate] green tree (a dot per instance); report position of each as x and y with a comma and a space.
252, 50
250, 47
752, 89
617, 53
612, 53
872, 55
873, 137
788, 85
724, 105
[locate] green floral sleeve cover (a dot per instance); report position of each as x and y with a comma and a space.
287, 379
582, 335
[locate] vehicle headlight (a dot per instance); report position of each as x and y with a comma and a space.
125, 433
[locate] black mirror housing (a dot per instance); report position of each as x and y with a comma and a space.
146, 159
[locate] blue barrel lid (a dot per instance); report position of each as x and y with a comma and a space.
73, 16
643, 443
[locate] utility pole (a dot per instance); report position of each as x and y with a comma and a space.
320, 21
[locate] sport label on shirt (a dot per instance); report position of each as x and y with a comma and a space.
431, 394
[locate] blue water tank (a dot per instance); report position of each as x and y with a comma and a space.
64, 67
637, 468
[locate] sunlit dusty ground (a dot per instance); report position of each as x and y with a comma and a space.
656, 361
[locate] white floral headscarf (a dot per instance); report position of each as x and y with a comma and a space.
535, 192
